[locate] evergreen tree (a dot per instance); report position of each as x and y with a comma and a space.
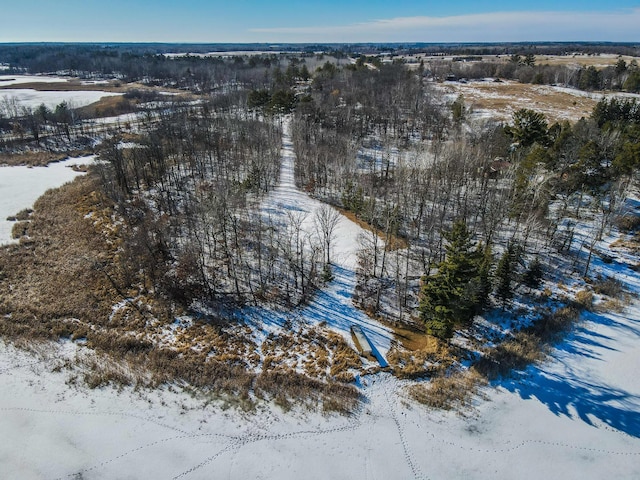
504, 275
532, 277
529, 127
454, 294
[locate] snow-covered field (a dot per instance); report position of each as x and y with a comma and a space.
21, 186
576, 416
27, 97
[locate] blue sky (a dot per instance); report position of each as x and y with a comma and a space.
313, 21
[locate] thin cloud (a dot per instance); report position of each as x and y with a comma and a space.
619, 25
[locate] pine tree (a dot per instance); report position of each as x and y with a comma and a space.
455, 293
532, 277
504, 273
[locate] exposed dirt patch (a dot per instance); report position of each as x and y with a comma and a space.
392, 242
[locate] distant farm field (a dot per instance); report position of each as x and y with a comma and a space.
500, 99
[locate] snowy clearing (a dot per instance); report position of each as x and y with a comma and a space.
333, 304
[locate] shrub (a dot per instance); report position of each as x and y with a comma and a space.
584, 298
450, 392
515, 354
628, 223
608, 286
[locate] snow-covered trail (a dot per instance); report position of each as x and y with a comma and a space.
334, 303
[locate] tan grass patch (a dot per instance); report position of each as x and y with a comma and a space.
109, 107
612, 305
584, 298
70, 86
599, 61
36, 159
504, 98
431, 360
447, 393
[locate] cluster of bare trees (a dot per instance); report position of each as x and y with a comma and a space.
379, 143
190, 194
44, 127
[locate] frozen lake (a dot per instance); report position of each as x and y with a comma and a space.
21, 186
33, 98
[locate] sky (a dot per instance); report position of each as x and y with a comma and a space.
280, 21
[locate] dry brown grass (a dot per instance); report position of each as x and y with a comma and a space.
35, 159
53, 277
599, 61
109, 107
433, 359
630, 244
74, 85
288, 387
526, 347
584, 298
453, 392
65, 280
70, 86
515, 354
503, 98
608, 286
612, 305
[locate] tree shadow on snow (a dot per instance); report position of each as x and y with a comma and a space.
592, 403
572, 391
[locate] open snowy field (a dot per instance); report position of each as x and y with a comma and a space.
29, 97
577, 416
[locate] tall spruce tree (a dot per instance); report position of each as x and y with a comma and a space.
504, 276
457, 291
532, 277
